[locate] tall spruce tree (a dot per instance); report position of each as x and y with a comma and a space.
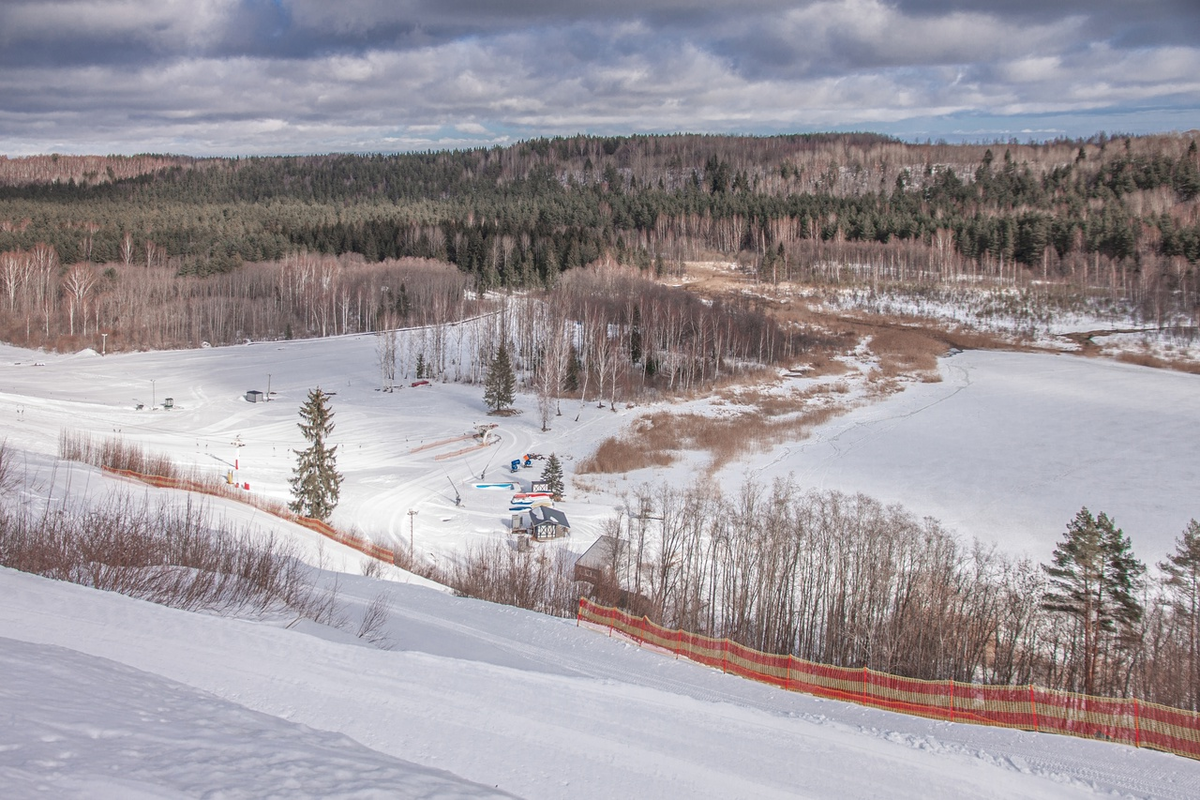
315, 479
552, 474
500, 384
1181, 572
1094, 578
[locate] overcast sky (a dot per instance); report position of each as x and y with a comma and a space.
228, 77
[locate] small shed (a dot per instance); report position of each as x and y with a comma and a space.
548, 523
254, 396
598, 564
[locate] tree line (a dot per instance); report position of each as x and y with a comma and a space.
845, 580
148, 305
1118, 214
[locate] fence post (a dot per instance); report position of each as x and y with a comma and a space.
1137, 726
725, 656
866, 679
952, 699
1033, 707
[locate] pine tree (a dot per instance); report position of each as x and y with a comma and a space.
315, 480
571, 379
1181, 573
500, 383
553, 477
1094, 578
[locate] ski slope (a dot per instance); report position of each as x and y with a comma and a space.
106, 696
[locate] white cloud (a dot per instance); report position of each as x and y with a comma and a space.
858, 63
160, 24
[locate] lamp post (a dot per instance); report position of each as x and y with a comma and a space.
412, 514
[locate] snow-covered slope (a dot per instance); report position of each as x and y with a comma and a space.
1006, 448
108, 696
76, 725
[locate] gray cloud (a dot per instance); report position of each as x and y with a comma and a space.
255, 76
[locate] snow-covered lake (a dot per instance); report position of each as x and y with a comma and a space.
1010, 445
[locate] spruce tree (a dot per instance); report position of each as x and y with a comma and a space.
1094, 578
500, 384
553, 477
1181, 573
571, 379
315, 480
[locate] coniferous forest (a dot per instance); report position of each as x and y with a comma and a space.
1118, 215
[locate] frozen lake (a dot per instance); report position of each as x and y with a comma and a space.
1009, 446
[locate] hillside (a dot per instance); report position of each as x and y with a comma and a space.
111, 697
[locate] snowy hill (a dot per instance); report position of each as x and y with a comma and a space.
112, 697
106, 696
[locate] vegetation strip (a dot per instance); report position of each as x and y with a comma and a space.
1125, 721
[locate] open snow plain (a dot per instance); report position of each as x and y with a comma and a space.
1009, 446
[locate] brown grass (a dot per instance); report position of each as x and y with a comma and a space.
906, 351
176, 556
114, 453
655, 439
1147, 360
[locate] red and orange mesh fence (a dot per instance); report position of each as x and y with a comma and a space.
1127, 721
360, 544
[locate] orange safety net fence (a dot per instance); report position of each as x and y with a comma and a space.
360, 544
1127, 721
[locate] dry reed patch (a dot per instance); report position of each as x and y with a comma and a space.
1147, 360
824, 365
903, 351
654, 439
771, 403
115, 453
618, 454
